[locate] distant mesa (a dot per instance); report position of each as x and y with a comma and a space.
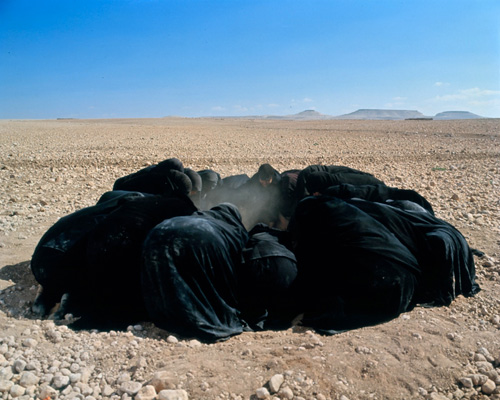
376, 114
304, 115
364, 114
383, 114
456, 115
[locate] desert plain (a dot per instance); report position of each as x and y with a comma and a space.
50, 168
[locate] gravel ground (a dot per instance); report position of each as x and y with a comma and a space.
49, 169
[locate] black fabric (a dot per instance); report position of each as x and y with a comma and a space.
288, 186
195, 178
226, 191
378, 193
210, 179
117, 194
353, 271
59, 254
321, 180
267, 275
341, 174
259, 201
165, 183
162, 167
113, 259
444, 256
93, 255
166, 177
190, 270
234, 181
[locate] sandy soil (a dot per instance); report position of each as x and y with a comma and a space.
49, 169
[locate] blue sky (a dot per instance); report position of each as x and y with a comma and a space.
152, 58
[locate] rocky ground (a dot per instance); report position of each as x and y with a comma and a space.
49, 169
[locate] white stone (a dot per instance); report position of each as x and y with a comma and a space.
60, 382
5, 385
488, 387
262, 393
172, 339
130, 387
286, 393
147, 392
17, 390
28, 379
275, 383
48, 391
173, 395
19, 366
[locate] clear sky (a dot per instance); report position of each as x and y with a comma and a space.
152, 58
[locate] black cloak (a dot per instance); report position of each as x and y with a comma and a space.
444, 256
267, 276
59, 255
339, 174
353, 271
189, 273
166, 177
93, 256
378, 193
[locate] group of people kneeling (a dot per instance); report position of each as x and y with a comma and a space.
207, 257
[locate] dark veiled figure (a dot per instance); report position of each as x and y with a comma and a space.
353, 271
227, 190
117, 194
267, 276
338, 174
444, 256
189, 273
98, 272
196, 186
210, 180
166, 177
59, 255
260, 197
379, 194
288, 187
162, 167
113, 260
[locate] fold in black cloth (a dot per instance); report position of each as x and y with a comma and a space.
352, 271
190, 273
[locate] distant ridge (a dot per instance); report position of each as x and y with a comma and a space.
456, 115
382, 114
304, 115
365, 114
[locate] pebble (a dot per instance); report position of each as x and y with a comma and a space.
275, 382
147, 392
262, 393
131, 388
488, 387
173, 395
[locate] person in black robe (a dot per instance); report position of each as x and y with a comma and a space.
378, 193
196, 186
59, 255
287, 201
444, 257
190, 273
324, 176
352, 271
227, 190
91, 259
209, 181
166, 178
260, 197
267, 276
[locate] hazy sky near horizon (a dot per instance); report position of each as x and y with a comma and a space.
193, 58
